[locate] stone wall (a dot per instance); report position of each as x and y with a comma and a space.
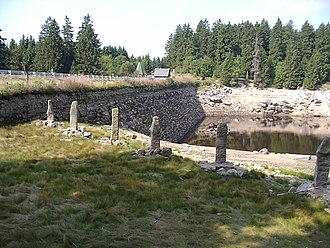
178, 108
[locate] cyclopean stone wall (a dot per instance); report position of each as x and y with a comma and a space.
177, 107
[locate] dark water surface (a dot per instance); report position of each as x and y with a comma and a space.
298, 136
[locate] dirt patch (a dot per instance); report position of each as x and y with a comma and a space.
294, 162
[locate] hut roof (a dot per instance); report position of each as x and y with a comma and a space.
162, 72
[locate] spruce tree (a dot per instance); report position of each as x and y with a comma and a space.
49, 48
147, 64
201, 39
4, 53
213, 39
307, 39
247, 41
68, 45
277, 44
280, 75
226, 70
87, 56
322, 45
316, 71
15, 60
263, 32
293, 66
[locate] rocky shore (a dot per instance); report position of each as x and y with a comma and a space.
248, 101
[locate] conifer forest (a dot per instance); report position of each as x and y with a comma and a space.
280, 56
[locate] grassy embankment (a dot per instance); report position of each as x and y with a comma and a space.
83, 194
18, 84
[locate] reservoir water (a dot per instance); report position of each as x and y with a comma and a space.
279, 135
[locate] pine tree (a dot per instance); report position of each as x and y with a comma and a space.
201, 39
49, 48
263, 32
277, 44
147, 64
280, 75
226, 42
307, 39
202, 67
247, 41
4, 54
68, 45
226, 70
316, 71
293, 66
322, 45
213, 40
23, 53
15, 60
87, 56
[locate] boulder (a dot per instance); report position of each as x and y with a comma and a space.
264, 151
166, 152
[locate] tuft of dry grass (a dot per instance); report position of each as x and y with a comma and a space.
84, 194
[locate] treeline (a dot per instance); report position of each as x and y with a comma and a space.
275, 57
282, 56
57, 51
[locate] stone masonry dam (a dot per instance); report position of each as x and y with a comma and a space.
178, 107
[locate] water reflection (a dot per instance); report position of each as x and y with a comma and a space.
281, 135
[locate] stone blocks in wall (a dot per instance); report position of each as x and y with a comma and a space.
178, 108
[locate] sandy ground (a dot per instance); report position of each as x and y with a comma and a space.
294, 162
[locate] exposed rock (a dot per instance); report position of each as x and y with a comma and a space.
221, 143
224, 169
115, 124
155, 134
305, 187
322, 164
74, 115
166, 152
141, 152
264, 151
87, 134
216, 100
227, 103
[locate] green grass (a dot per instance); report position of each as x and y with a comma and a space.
291, 173
83, 194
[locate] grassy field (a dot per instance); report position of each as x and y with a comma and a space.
83, 194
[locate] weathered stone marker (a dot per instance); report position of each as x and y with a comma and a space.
155, 134
322, 163
74, 116
49, 113
114, 124
221, 143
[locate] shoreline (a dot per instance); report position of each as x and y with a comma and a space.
294, 162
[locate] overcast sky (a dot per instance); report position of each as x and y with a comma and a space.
143, 26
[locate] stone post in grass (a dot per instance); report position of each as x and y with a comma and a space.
114, 124
155, 134
321, 173
49, 113
221, 143
74, 116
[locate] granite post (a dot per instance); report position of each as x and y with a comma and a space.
74, 116
321, 173
155, 134
114, 124
49, 113
221, 143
